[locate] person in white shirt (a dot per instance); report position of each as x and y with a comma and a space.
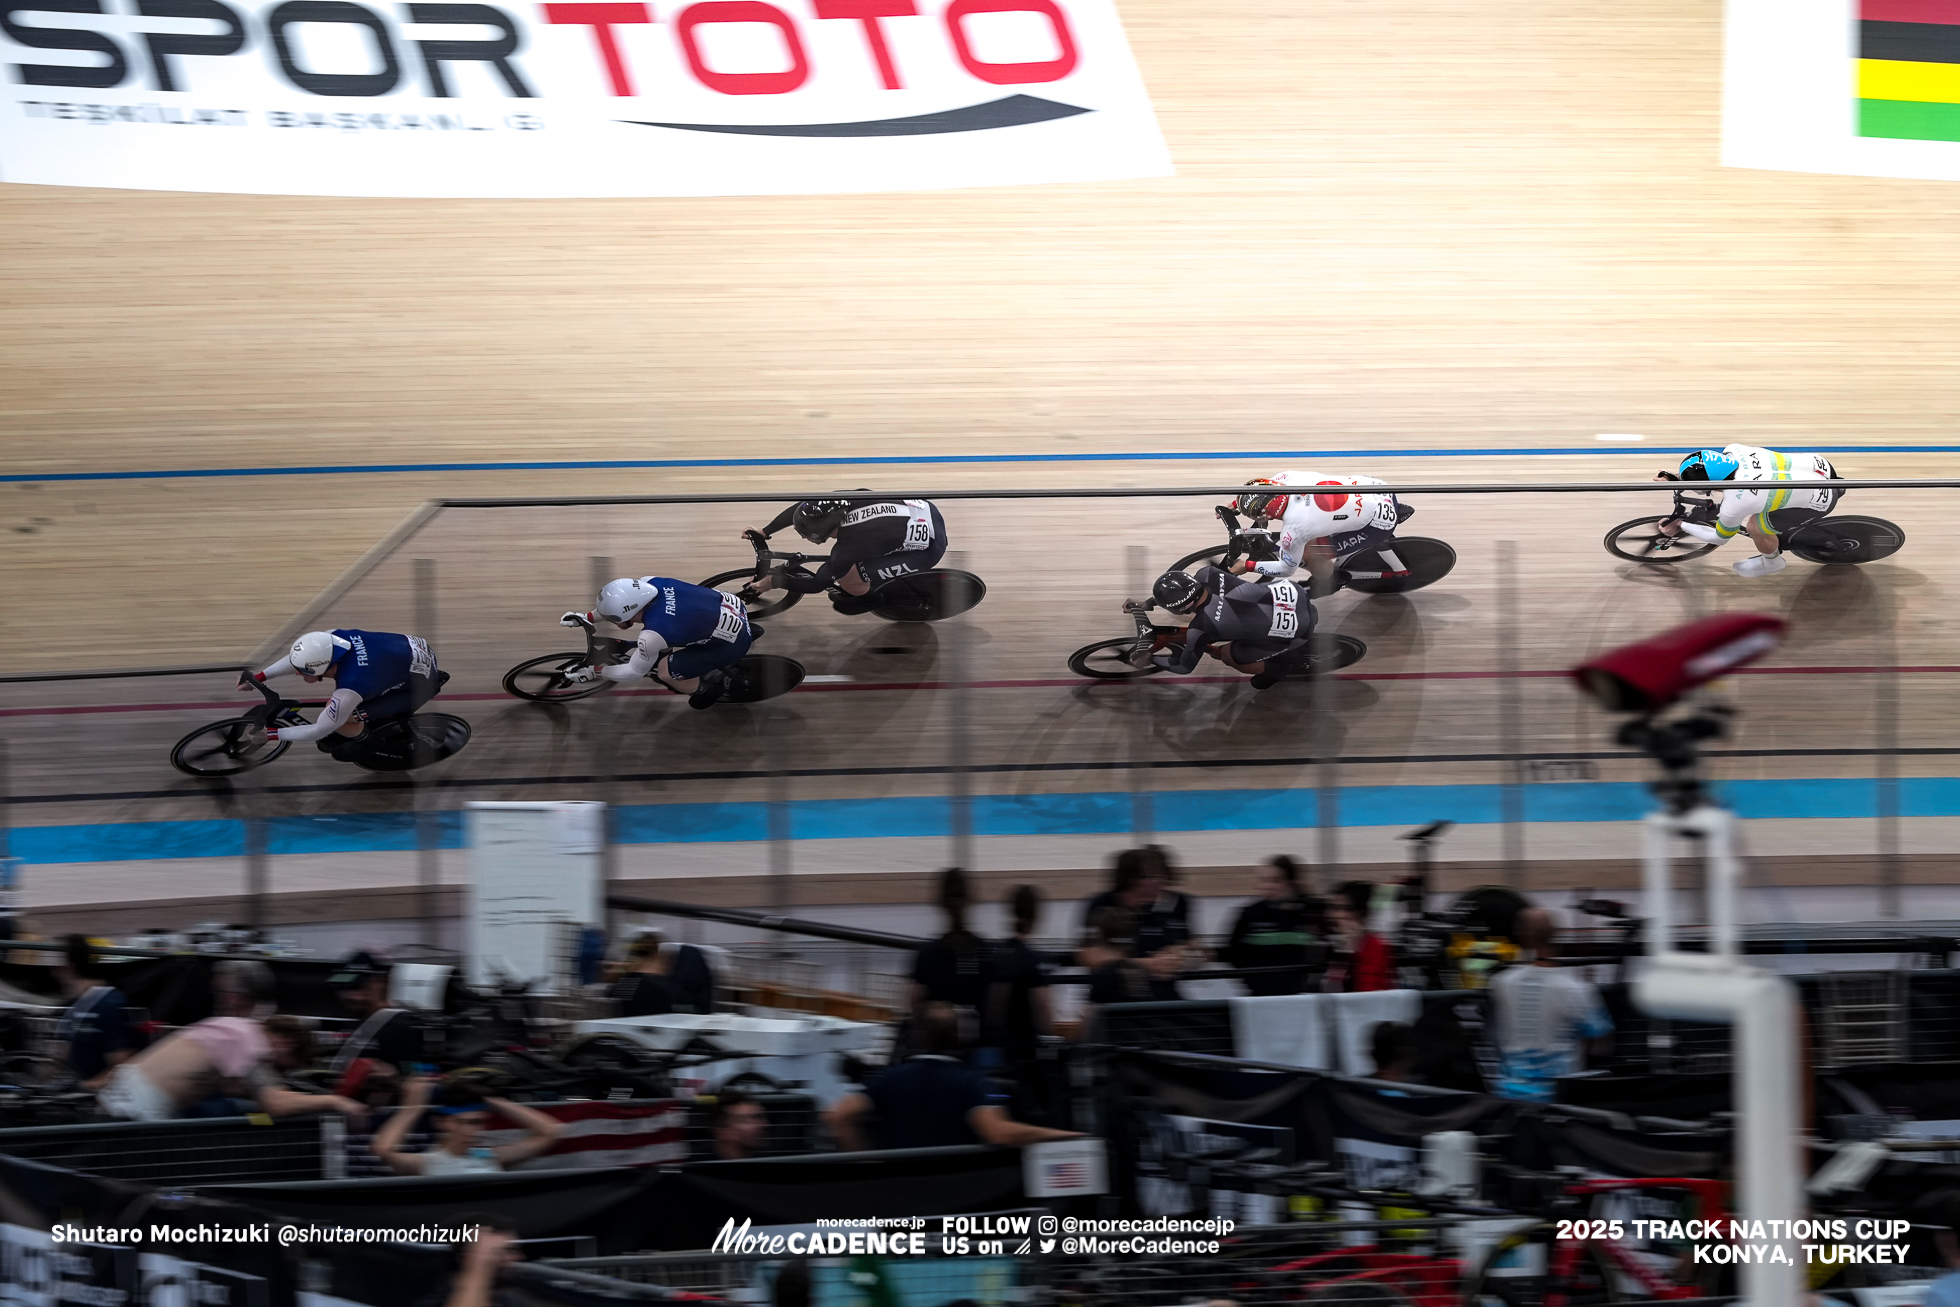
460, 1122
1544, 1016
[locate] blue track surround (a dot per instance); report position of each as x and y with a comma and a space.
1105, 813
1211, 455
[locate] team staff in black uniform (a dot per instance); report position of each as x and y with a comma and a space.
1276, 929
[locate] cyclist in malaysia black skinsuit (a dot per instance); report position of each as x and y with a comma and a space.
877, 540
1250, 627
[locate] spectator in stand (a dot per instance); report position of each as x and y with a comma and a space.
1362, 959
741, 1127
1114, 975
96, 1027
1172, 903
662, 977
1018, 1012
1159, 932
642, 989
461, 1117
1395, 1049
386, 1045
200, 1069
1544, 1017
953, 968
930, 1100
292, 1043
1274, 930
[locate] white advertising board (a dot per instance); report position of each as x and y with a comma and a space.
569, 97
1869, 87
535, 872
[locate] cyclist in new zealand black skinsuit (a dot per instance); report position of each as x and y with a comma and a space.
1250, 627
877, 540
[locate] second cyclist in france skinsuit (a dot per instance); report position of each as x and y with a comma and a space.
689, 634
1250, 627
1324, 519
1778, 502
877, 540
377, 675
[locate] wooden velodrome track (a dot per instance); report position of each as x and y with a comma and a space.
1435, 227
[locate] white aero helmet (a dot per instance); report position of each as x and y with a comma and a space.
621, 601
315, 651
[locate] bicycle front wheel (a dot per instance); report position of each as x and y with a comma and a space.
767, 604
1643, 541
1109, 660
542, 680
225, 749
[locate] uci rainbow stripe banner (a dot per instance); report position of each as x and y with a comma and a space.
1909, 69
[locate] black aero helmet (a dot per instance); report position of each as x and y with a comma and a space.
817, 518
1178, 592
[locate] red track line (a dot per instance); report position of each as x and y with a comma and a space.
1029, 684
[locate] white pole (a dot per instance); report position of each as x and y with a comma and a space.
1719, 986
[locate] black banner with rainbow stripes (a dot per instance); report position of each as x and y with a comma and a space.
1909, 69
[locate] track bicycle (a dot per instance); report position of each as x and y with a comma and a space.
554, 678
1827, 540
239, 744
931, 596
1396, 566
1127, 657
1569, 1259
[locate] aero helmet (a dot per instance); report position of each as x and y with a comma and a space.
316, 651
1177, 592
621, 601
1708, 465
1261, 503
816, 519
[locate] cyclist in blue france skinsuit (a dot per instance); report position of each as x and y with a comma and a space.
378, 676
689, 637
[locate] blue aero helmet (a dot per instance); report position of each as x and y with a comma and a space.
1708, 465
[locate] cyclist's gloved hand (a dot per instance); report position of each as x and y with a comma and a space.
580, 675
572, 619
248, 680
756, 538
1134, 606
1702, 531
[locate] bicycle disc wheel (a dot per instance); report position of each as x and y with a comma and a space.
1404, 563
410, 742
224, 749
771, 602
1109, 660
542, 680
1342, 651
930, 596
1845, 540
1641, 541
762, 676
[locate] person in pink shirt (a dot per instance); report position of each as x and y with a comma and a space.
228, 1054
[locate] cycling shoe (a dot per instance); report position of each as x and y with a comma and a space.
851, 605
713, 686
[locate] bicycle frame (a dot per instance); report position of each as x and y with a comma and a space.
1708, 1197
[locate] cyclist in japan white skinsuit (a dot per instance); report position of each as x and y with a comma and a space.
1325, 520
1764, 513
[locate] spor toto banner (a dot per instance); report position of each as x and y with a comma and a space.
1844, 86
570, 97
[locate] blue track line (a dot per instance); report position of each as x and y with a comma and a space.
578, 465
1092, 813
